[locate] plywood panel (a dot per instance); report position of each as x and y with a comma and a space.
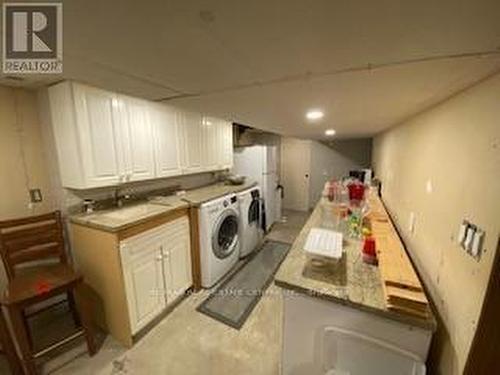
402, 288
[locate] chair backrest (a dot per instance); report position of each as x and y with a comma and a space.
31, 239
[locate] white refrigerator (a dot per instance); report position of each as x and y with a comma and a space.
260, 163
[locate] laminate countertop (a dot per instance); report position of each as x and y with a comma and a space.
196, 197
351, 282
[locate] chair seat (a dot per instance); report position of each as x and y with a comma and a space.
39, 283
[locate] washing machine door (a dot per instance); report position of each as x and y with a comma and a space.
225, 234
254, 212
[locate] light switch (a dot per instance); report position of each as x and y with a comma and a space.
462, 232
477, 243
469, 237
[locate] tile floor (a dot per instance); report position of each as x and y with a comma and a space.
185, 342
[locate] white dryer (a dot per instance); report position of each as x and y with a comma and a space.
250, 232
219, 240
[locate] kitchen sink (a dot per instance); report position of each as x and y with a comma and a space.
130, 213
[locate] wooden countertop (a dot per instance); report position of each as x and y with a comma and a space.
351, 282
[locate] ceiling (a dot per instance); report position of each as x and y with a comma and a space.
367, 64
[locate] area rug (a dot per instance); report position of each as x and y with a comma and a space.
233, 301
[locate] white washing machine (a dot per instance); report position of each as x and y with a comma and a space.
250, 232
219, 240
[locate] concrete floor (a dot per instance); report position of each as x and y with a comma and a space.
289, 227
185, 342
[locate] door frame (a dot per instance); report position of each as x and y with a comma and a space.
483, 354
286, 169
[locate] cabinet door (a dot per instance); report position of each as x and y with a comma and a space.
167, 140
137, 135
144, 280
210, 144
100, 141
189, 124
177, 259
226, 145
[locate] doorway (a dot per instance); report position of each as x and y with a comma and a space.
295, 173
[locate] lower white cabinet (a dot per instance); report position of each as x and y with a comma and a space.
157, 270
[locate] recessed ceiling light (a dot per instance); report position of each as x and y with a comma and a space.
330, 132
314, 114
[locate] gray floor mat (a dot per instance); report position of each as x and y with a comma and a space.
233, 301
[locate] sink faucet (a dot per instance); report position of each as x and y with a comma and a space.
118, 198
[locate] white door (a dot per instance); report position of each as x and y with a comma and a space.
177, 259
295, 172
144, 281
211, 147
166, 136
225, 145
100, 141
137, 134
189, 124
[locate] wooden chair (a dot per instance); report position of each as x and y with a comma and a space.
38, 239
8, 348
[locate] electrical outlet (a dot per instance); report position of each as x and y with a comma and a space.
36, 195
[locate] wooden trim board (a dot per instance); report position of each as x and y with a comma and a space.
153, 223
195, 248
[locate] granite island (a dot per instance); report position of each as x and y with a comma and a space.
347, 297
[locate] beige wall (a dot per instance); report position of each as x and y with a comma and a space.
444, 165
22, 159
335, 161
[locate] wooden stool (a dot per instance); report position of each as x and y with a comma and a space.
33, 239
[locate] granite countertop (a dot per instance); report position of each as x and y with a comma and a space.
117, 219
351, 282
196, 197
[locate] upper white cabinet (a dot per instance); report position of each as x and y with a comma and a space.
211, 150
105, 139
87, 136
138, 139
225, 144
190, 127
167, 141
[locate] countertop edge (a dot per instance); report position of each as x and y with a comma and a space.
235, 188
105, 228
392, 315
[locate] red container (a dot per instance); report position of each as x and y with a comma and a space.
369, 247
356, 191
